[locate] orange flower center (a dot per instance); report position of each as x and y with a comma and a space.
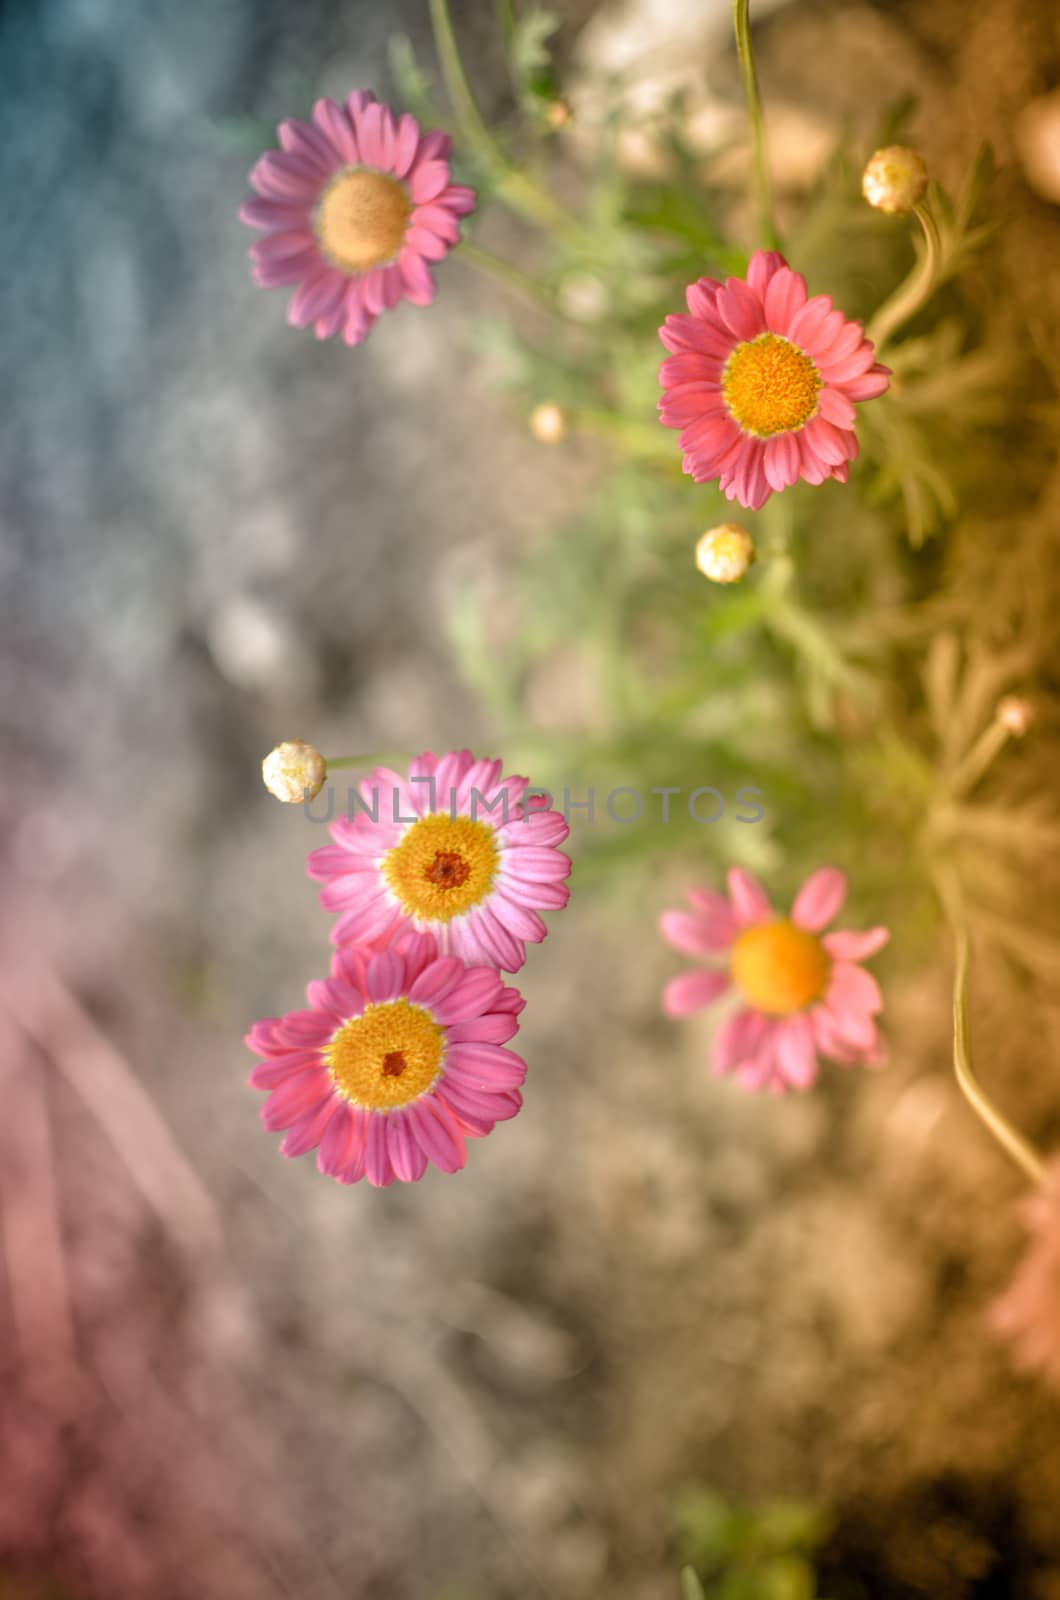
778, 968
442, 867
361, 219
770, 386
386, 1057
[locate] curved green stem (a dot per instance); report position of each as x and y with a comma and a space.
512, 277
1015, 1146
761, 182
916, 289
519, 191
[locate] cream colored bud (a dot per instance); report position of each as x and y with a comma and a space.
894, 179
558, 113
724, 554
1015, 714
548, 423
294, 771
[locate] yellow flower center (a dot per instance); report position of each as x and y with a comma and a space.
442, 867
361, 219
386, 1057
778, 968
770, 386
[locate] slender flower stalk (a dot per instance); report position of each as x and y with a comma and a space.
512, 277
762, 183
1015, 1146
530, 199
916, 289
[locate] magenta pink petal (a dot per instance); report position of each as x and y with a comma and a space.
274, 274
406, 144
477, 992
276, 218
302, 139
273, 182
427, 180
319, 293
459, 199
485, 1066
496, 1028
407, 1155
427, 244
270, 1074
439, 1133
809, 319
419, 285
336, 126
378, 1168
306, 1133
295, 1097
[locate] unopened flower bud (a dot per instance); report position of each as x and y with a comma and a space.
894, 179
1015, 714
558, 113
294, 771
548, 423
724, 554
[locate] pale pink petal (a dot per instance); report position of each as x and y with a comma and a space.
852, 990
749, 900
407, 1156
781, 461
794, 1051
693, 933
834, 407
739, 1038
691, 991
847, 945
820, 899
406, 144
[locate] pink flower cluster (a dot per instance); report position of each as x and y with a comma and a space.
401, 1055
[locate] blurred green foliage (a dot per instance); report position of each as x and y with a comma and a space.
735, 1553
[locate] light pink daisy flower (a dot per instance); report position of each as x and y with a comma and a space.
800, 991
1028, 1313
399, 1060
355, 207
762, 382
453, 850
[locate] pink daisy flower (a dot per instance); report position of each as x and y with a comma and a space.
399, 1060
762, 382
453, 850
355, 206
800, 991
1028, 1313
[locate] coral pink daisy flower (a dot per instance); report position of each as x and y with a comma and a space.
762, 382
453, 850
398, 1061
1028, 1313
355, 207
801, 991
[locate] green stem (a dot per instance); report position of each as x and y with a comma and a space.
520, 192
519, 282
379, 758
1015, 1146
916, 289
761, 182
